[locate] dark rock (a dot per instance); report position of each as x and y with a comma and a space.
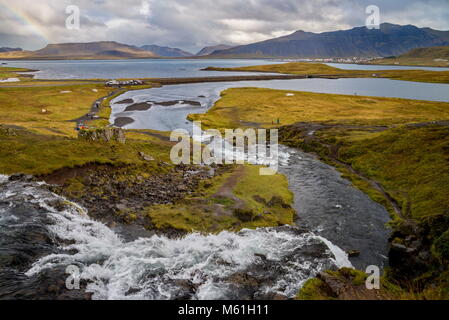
260, 199
21, 177
333, 286
144, 106
353, 253
244, 215
277, 202
126, 101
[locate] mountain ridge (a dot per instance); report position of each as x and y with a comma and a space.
211, 49
87, 50
7, 49
389, 40
168, 52
440, 52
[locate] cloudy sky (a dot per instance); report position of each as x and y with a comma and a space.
193, 24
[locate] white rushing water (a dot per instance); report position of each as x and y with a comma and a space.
3, 178
157, 267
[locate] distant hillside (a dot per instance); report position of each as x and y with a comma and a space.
166, 51
389, 40
429, 53
209, 50
92, 50
6, 49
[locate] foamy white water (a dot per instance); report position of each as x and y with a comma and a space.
256, 154
279, 260
3, 178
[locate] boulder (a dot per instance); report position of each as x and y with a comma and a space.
105, 135
353, 253
146, 157
333, 286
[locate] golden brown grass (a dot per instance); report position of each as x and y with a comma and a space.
318, 69
242, 107
47, 109
212, 208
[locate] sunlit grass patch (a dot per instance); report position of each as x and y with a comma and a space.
264, 107
234, 201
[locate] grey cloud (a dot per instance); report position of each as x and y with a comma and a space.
195, 23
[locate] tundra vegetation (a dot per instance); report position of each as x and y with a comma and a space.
323, 70
433, 56
395, 150
38, 137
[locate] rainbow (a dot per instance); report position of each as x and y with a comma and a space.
24, 20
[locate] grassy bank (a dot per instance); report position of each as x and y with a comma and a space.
318, 69
249, 107
433, 57
48, 110
394, 150
6, 72
239, 199
421, 62
38, 137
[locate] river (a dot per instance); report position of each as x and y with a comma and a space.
41, 234
326, 203
333, 217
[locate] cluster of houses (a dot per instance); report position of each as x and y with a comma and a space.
333, 60
117, 83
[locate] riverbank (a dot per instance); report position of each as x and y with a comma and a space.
128, 184
39, 138
317, 69
394, 150
406, 61
97, 173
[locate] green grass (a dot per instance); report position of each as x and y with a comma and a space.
213, 209
375, 137
39, 154
317, 69
405, 61
433, 56
411, 163
7, 72
40, 143
25, 107
354, 288
262, 107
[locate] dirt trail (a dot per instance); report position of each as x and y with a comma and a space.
94, 110
227, 189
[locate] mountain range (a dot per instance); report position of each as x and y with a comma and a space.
389, 40
167, 51
210, 50
91, 50
101, 50
6, 49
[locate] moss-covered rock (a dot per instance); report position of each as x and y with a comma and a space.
103, 134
